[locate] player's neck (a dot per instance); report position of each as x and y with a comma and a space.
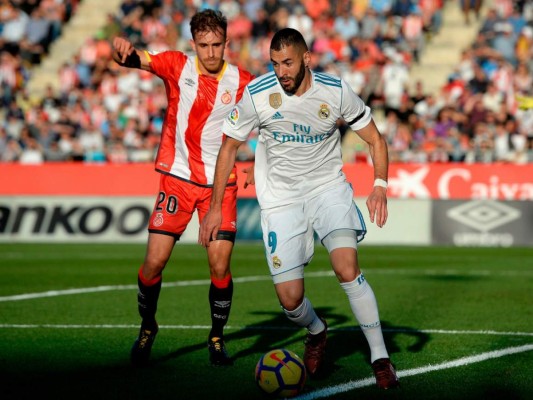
214, 73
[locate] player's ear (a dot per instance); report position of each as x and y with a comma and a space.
307, 59
193, 44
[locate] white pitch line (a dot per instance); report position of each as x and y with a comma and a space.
345, 387
257, 278
259, 328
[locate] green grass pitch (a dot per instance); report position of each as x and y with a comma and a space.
458, 323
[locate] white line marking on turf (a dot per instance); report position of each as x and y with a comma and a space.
259, 328
345, 387
315, 274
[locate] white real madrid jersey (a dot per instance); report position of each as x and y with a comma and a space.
299, 150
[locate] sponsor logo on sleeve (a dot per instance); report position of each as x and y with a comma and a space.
233, 116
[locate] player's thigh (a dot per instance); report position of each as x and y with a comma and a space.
174, 207
288, 238
228, 227
335, 210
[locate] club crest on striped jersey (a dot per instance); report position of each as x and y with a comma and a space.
226, 97
275, 100
324, 111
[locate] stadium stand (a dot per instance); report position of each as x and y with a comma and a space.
445, 86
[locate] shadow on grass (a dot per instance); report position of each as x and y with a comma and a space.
276, 331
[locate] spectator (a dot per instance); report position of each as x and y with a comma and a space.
345, 25
370, 25
391, 32
231, 8
413, 32
382, 7
117, 152
394, 81
355, 78
32, 152
402, 8
502, 143
261, 26
492, 98
55, 12
15, 23
12, 151
302, 22
54, 153
523, 80
471, 5
524, 46
37, 37
504, 42
479, 83
4, 138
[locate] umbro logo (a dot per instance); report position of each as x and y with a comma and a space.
277, 115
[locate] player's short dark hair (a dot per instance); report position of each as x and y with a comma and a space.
208, 21
288, 37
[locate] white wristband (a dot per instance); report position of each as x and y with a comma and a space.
381, 183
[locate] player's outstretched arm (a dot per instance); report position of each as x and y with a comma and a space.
377, 200
210, 224
126, 55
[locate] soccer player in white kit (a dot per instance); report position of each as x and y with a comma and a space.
302, 190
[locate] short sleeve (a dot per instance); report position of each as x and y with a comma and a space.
168, 64
242, 119
353, 109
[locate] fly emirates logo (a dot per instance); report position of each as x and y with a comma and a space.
301, 134
456, 183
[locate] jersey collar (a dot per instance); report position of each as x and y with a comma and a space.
220, 74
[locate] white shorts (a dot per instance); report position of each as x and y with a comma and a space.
288, 231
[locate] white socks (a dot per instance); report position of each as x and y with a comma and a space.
304, 316
365, 309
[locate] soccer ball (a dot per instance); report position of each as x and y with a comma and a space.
280, 373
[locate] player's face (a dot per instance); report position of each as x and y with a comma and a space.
209, 48
290, 66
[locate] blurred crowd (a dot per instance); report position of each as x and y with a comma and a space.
104, 113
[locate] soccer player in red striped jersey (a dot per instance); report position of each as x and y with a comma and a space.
201, 91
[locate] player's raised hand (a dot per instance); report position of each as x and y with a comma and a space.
377, 206
123, 48
209, 226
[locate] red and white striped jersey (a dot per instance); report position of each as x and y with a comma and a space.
197, 106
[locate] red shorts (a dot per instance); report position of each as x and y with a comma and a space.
177, 201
